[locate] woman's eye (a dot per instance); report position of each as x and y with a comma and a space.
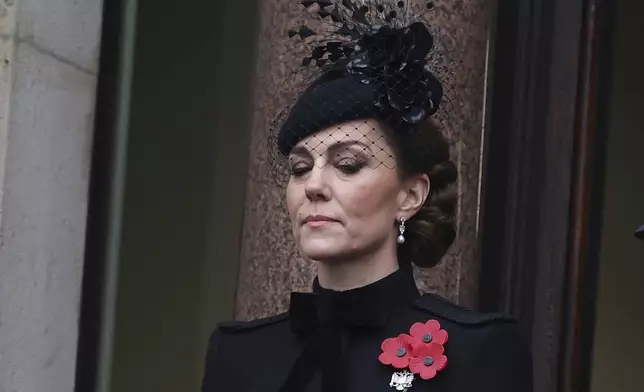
299, 169
349, 166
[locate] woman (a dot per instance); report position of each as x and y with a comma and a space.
369, 193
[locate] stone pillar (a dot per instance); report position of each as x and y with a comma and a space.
270, 263
48, 70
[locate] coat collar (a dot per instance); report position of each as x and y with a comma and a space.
364, 307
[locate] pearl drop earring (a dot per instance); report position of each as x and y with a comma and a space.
401, 230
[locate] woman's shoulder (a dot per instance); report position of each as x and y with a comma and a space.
227, 364
467, 325
470, 330
253, 333
438, 306
489, 347
475, 334
236, 327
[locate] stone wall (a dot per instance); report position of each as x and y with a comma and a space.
270, 263
48, 70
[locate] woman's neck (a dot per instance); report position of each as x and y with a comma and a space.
342, 275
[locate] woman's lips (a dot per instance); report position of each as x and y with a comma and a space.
319, 220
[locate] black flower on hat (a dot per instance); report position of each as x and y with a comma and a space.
395, 59
386, 49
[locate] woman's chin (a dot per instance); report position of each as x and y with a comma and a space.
320, 250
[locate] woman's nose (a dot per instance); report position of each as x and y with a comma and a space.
317, 187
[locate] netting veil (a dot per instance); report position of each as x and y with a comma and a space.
359, 65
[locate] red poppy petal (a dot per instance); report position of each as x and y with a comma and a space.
436, 349
405, 337
420, 351
428, 373
440, 337
417, 344
406, 341
440, 363
417, 330
432, 326
385, 358
400, 362
416, 365
425, 350
390, 345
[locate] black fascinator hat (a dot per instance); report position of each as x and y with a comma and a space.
360, 60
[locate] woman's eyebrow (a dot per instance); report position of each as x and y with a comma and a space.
332, 148
300, 150
349, 143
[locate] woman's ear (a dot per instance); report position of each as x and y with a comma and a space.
413, 195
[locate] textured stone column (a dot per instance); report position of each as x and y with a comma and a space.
270, 263
48, 70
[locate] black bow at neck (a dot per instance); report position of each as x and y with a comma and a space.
328, 315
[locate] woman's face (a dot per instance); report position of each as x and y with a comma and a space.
345, 195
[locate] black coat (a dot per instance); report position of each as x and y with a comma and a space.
331, 342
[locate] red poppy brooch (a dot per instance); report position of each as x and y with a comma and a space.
421, 352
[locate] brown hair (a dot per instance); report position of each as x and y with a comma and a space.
432, 230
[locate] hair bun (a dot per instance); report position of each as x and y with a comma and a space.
443, 174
